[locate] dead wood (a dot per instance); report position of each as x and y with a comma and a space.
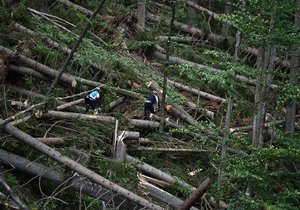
203, 111
152, 180
168, 122
12, 195
77, 7
144, 124
65, 78
181, 26
196, 195
115, 103
177, 60
52, 153
51, 140
194, 91
27, 71
162, 195
154, 172
72, 115
134, 135
181, 113
169, 149
69, 104
120, 148
78, 183
185, 40
152, 85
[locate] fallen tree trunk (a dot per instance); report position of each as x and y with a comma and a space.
182, 27
148, 169
177, 60
156, 149
185, 40
41, 67
116, 103
51, 140
27, 71
52, 153
144, 124
80, 185
196, 195
203, 111
196, 92
162, 195
34, 95
181, 113
167, 121
72, 115
69, 104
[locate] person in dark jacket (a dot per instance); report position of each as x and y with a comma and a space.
148, 106
93, 101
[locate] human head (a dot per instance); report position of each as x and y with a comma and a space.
154, 92
97, 88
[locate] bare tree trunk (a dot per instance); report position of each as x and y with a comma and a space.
141, 15
69, 104
27, 71
78, 184
293, 79
51, 141
12, 195
75, 166
185, 40
225, 26
196, 92
144, 124
203, 111
170, 149
196, 195
162, 195
177, 60
181, 113
265, 62
40, 67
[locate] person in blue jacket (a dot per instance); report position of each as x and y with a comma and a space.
93, 101
148, 106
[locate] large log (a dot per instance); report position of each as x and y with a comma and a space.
65, 78
196, 92
154, 172
52, 153
162, 195
144, 124
181, 113
203, 111
167, 121
177, 60
186, 40
196, 195
51, 140
157, 149
83, 186
72, 115
182, 27
69, 104
27, 71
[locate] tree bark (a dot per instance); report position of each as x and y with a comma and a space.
72, 115
168, 123
196, 92
196, 195
293, 79
203, 111
78, 184
115, 103
27, 71
184, 40
265, 61
181, 113
163, 196
40, 67
76, 167
182, 27
141, 15
177, 60
69, 104
51, 140
169, 149
154, 172
144, 124
12, 195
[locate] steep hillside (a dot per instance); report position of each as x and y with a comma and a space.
194, 153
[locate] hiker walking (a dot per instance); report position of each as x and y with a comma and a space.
93, 101
148, 106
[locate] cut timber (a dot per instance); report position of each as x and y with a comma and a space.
152, 85
51, 141
152, 180
77, 7
72, 115
69, 104
120, 152
41, 67
162, 195
115, 103
78, 184
34, 95
27, 71
181, 113
182, 27
170, 149
196, 92
52, 153
167, 121
177, 60
154, 172
144, 124
203, 111
196, 195
133, 135
179, 39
